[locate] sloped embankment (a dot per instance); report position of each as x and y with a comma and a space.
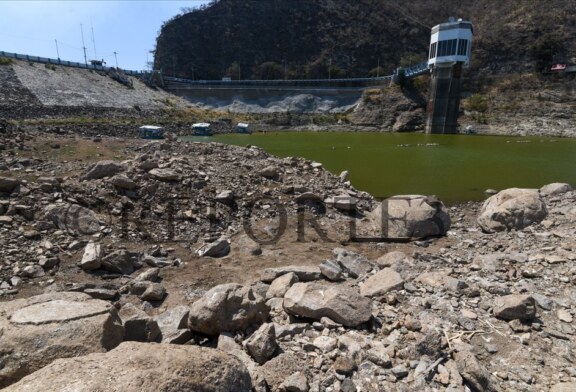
33, 90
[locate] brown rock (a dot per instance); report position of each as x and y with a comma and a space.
40, 329
138, 367
511, 307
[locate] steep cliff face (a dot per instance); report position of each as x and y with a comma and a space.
275, 39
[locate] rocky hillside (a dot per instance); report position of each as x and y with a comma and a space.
273, 39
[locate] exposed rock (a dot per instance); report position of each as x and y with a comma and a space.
153, 292
280, 285
325, 343
40, 329
91, 258
354, 264
280, 368
123, 182
227, 307
261, 345
409, 121
119, 262
73, 218
138, 325
248, 246
513, 208
225, 196
342, 202
316, 300
439, 279
137, 367
270, 172
304, 273
556, 188
515, 306
166, 175
331, 271
564, 387
103, 169
563, 315
381, 283
33, 271
173, 325
8, 184
296, 382
391, 258
472, 371
150, 275
410, 216
100, 293
218, 248
344, 365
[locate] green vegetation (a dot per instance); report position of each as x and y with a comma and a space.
50, 66
5, 61
476, 103
273, 39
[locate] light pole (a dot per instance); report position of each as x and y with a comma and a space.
57, 51
116, 58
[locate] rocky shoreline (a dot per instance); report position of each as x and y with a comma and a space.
222, 268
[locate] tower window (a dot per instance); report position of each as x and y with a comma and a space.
433, 50
462, 47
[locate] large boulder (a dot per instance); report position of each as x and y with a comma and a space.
103, 169
315, 300
409, 217
226, 308
73, 218
137, 367
37, 330
513, 208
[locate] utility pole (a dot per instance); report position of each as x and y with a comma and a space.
116, 58
83, 45
57, 52
93, 41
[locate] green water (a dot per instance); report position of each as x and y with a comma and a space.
459, 168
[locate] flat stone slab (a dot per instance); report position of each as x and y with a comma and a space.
58, 311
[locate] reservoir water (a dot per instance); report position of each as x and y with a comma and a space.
454, 167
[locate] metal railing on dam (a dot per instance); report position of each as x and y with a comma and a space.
180, 83
172, 82
353, 83
47, 60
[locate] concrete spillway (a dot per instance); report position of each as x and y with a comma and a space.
264, 97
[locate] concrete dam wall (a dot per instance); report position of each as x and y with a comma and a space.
271, 99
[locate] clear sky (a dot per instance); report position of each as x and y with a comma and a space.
127, 27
